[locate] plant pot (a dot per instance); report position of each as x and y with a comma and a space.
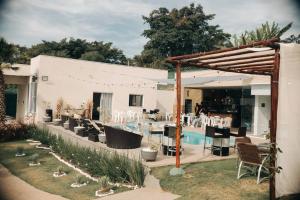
149, 154
66, 125
102, 138
93, 137
47, 119
77, 129
56, 122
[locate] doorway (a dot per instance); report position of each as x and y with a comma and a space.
11, 95
188, 106
102, 106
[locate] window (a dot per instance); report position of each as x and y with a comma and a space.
135, 100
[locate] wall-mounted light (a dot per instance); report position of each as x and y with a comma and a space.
34, 78
44, 78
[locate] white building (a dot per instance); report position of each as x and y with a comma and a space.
123, 88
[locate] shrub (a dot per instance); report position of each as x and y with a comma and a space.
81, 179
20, 150
118, 168
34, 158
13, 131
103, 181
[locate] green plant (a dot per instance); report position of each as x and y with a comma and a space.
59, 107
81, 179
20, 150
34, 158
60, 170
104, 182
100, 162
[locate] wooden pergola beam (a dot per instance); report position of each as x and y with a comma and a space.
255, 44
258, 69
254, 65
257, 61
210, 61
228, 70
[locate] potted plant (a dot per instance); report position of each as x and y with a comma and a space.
20, 152
79, 181
34, 160
60, 172
149, 153
59, 106
105, 188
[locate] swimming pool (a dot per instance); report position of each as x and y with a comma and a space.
190, 137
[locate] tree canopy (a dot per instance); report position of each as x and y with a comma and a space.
179, 31
68, 48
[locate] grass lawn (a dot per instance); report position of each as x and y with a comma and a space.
211, 180
41, 176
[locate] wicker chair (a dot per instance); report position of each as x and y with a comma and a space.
250, 157
241, 132
121, 139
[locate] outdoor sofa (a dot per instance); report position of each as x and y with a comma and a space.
121, 139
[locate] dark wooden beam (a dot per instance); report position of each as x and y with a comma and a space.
178, 91
273, 128
255, 44
210, 61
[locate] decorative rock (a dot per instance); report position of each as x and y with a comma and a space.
56, 174
77, 185
57, 122
98, 193
34, 164
20, 155
176, 171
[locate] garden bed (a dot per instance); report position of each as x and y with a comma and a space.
41, 176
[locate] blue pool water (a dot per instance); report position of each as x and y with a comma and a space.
189, 136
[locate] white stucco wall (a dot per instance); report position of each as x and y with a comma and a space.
76, 80
288, 129
261, 114
165, 101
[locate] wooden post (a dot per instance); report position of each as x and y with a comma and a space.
274, 106
178, 91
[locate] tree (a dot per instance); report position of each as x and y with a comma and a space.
7, 52
292, 39
180, 31
79, 49
264, 32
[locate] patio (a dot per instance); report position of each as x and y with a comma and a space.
191, 153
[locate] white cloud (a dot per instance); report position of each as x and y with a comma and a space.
119, 21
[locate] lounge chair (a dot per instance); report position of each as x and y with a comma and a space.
250, 157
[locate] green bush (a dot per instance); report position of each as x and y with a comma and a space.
13, 131
98, 163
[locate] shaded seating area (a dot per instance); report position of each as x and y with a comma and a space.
121, 139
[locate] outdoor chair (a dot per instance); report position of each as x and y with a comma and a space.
211, 132
241, 132
251, 159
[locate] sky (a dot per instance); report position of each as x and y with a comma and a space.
28, 22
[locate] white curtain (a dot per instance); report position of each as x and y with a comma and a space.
106, 107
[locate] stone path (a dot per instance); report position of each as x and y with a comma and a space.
152, 190
13, 188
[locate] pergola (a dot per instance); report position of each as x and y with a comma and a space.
261, 58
